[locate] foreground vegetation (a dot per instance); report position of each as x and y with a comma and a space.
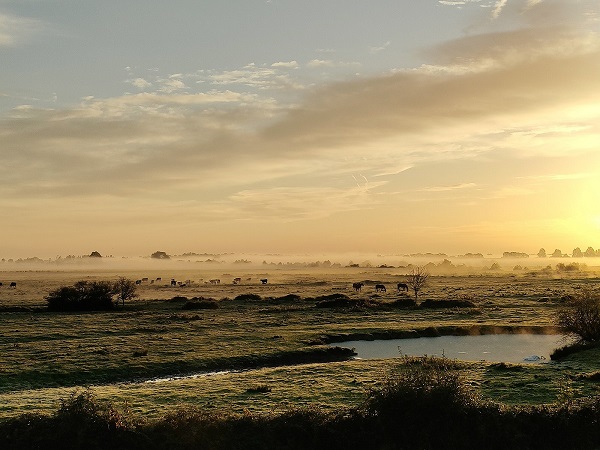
426, 405
294, 396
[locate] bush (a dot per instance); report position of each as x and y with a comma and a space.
248, 298
200, 303
82, 296
581, 316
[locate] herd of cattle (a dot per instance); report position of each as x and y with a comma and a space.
402, 287
175, 283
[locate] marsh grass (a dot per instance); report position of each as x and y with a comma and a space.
424, 403
274, 325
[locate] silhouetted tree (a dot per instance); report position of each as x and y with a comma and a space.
541, 253
417, 279
577, 253
557, 253
160, 255
581, 316
124, 289
95, 254
590, 252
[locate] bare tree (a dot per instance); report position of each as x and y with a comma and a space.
581, 316
124, 289
417, 279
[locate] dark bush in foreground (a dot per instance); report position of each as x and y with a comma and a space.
248, 297
200, 303
341, 301
82, 296
403, 303
425, 405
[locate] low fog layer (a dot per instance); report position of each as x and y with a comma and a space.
435, 263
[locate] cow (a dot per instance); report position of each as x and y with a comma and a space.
357, 286
144, 279
264, 280
403, 287
13, 284
0, 283
138, 281
215, 281
158, 279
380, 288
173, 282
237, 280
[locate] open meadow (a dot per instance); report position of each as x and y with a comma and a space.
263, 347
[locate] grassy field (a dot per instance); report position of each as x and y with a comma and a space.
124, 355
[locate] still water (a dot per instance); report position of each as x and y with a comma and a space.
513, 348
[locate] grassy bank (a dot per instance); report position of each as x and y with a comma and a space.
426, 403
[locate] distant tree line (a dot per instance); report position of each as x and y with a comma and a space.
577, 253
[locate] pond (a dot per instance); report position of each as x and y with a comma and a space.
513, 348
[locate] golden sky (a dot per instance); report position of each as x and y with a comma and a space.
481, 137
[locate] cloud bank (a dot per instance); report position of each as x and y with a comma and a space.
230, 153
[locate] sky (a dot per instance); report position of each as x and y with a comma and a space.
280, 126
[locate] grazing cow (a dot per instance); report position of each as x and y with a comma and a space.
13, 284
264, 280
403, 287
151, 281
158, 279
0, 284
138, 281
173, 282
380, 288
215, 281
145, 279
357, 286
237, 280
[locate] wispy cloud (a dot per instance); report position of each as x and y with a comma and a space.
15, 29
237, 151
379, 48
500, 4
450, 188
287, 64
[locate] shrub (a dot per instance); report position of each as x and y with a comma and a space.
259, 389
248, 298
82, 296
581, 316
200, 303
427, 394
403, 303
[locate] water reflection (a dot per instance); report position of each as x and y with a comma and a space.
514, 348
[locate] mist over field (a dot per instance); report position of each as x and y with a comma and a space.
436, 263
